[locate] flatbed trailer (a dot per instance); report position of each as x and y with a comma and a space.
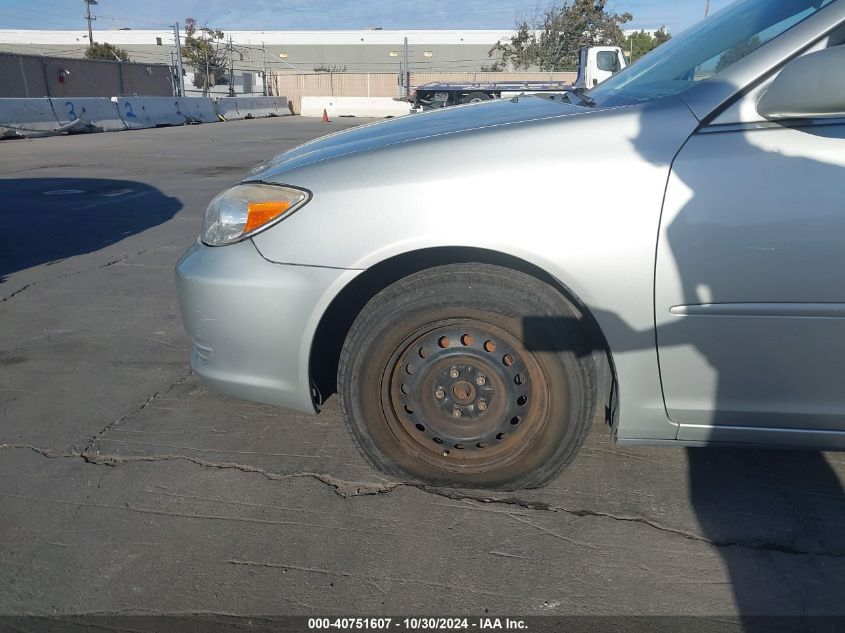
440, 95
595, 64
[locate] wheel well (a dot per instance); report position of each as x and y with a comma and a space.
341, 313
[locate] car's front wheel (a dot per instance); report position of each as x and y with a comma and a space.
468, 375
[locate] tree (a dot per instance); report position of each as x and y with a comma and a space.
639, 43
106, 51
550, 41
204, 51
661, 36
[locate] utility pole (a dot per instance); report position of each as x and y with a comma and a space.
207, 83
707, 8
231, 68
180, 72
264, 62
90, 19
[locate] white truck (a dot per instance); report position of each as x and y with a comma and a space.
595, 64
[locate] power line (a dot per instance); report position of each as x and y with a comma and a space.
23, 16
53, 9
74, 15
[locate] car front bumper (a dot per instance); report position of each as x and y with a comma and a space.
252, 321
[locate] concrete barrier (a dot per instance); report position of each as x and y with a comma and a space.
199, 109
45, 116
27, 117
145, 112
93, 114
354, 106
233, 108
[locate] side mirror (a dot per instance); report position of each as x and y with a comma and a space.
811, 86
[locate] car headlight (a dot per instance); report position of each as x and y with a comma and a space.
247, 209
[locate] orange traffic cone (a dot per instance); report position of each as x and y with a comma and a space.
325, 116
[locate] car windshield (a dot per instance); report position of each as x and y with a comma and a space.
704, 50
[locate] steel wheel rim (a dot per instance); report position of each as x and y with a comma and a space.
464, 396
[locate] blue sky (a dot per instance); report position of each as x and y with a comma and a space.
316, 14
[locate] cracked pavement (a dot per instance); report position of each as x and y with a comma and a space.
127, 487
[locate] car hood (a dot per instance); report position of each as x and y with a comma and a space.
416, 127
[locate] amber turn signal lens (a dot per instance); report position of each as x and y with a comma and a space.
260, 213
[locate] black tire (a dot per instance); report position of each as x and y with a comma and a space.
476, 97
503, 349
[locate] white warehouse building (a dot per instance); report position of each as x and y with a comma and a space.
356, 51
372, 50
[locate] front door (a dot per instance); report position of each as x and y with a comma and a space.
750, 278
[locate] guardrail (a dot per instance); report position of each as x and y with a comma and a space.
48, 116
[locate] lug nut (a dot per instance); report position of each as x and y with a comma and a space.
440, 394
481, 380
482, 406
454, 373
456, 412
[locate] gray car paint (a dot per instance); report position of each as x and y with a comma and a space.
247, 319
577, 192
393, 199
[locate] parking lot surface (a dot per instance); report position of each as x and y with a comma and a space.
127, 487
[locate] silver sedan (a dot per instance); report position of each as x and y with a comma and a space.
477, 283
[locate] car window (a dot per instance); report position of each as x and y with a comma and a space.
705, 50
730, 56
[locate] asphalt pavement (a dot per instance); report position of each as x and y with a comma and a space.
127, 487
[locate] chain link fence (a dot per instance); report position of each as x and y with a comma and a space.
23, 75
242, 75
39, 76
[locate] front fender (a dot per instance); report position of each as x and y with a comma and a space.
578, 196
